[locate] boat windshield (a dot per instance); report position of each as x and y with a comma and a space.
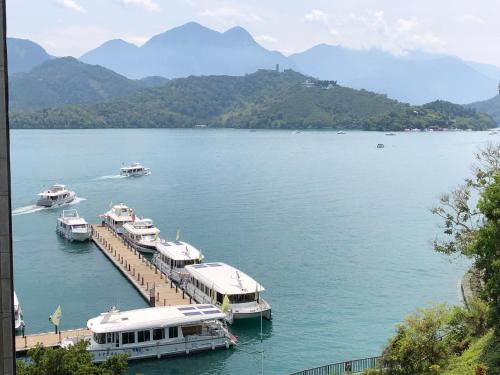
243, 298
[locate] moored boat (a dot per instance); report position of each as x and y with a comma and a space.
57, 195
172, 258
134, 170
142, 234
18, 314
73, 227
156, 332
219, 282
117, 216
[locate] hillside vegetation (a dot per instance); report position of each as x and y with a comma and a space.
491, 107
265, 99
63, 81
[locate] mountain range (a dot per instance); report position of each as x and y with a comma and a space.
266, 99
490, 106
193, 49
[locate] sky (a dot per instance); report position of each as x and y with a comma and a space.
468, 29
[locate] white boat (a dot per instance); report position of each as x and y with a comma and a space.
134, 170
142, 234
341, 132
18, 314
117, 216
156, 332
493, 132
57, 195
73, 227
213, 282
172, 257
390, 134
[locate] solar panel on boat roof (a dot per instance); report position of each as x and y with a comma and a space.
199, 266
190, 313
205, 307
186, 308
178, 243
207, 312
213, 264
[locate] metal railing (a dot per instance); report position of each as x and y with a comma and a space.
341, 368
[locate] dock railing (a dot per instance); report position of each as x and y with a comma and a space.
355, 366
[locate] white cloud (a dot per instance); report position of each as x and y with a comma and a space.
145, 4
470, 20
234, 14
70, 4
373, 29
316, 15
266, 39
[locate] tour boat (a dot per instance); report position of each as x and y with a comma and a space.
341, 132
73, 227
156, 332
134, 170
390, 134
214, 282
57, 195
172, 257
117, 216
142, 234
18, 314
380, 145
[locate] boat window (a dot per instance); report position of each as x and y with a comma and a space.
143, 336
109, 338
242, 298
173, 332
191, 330
128, 338
158, 334
220, 298
100, 338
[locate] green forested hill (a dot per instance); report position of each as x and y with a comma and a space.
491, 107
265, 99
63, 81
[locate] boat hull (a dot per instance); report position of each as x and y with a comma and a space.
146, 249
74, 236
167, 349
44, 202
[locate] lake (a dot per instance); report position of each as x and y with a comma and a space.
338, 231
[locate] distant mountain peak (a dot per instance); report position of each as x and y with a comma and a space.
238, 34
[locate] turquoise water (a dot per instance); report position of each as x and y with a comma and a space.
337, 230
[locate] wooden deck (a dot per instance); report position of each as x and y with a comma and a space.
48, 339
153, 286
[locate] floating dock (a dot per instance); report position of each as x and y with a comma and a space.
156, 288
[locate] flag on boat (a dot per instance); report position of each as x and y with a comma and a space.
178, 235
156, 236
225, 304
55, 318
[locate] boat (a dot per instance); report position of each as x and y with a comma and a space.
155, 332
390, 134
341, 132
18, 314
117, 216
493, 132
134, 170
380, 145
172, 257
57, 195
142, 234
214, 282
73, 227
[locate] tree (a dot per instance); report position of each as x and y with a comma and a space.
473, 230
75, 360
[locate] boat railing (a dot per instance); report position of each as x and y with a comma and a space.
355, 366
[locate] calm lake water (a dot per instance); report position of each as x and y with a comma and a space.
337, 230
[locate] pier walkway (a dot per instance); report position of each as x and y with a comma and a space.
48, 339
152, 285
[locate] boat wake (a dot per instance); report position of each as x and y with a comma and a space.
111, 177
34, 208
